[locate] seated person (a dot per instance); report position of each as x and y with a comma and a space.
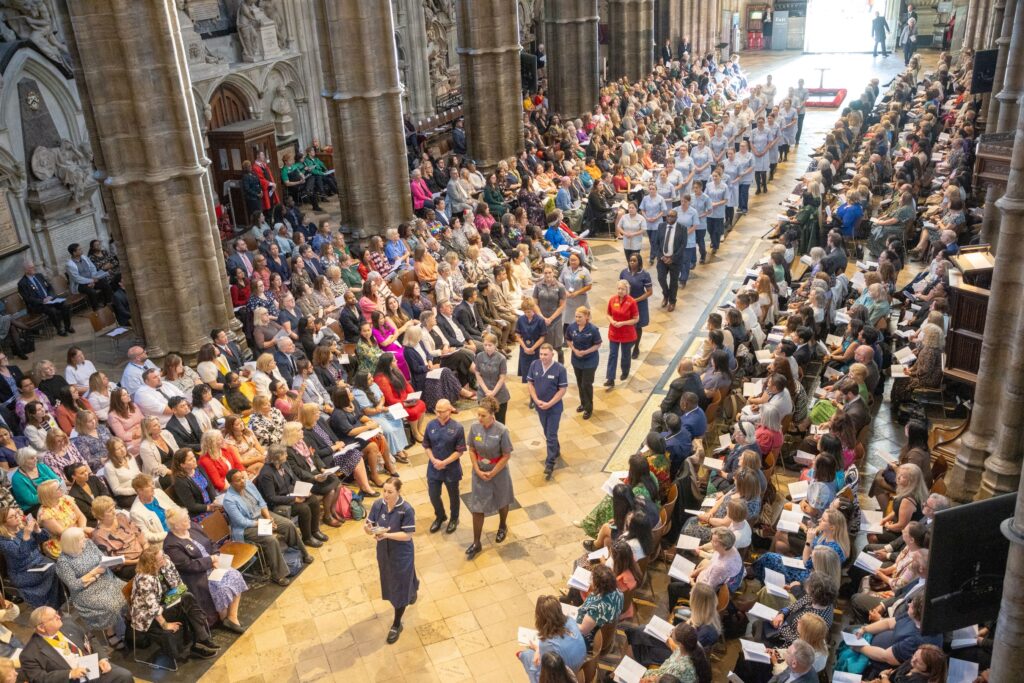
556, 633
896, 638
42, 658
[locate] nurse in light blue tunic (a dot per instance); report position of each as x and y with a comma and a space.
760, 144
392, 522
718, 145
703, 160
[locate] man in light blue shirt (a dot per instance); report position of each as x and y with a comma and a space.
86, 278
138, 362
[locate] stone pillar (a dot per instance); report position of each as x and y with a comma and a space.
420, 97
992, 443
146, 138
667, 23
1007, 654
573, 61
687, 19
488, 33
990, 219
1013, 79
700, 10
364, 104
631, 39
973, 10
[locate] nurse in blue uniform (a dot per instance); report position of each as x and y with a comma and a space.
392, 522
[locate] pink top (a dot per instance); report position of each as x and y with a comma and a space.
367, 306
420, 192
129, 429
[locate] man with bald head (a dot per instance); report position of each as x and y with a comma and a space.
687, 381
138, 362
444, 442
865, 355
53, 650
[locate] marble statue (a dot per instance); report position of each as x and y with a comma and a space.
438, 15
197, 50
281, 105
272, 8
31, 20
250, 22
74, 168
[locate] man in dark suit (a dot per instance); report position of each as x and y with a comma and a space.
672, 238
39, 297
229, 349
54, 645
451, 329
799, 665
853, 404
804, 353
241, 258
687, 381
879, 29
465, 315
285, 356
666, 51
183, 425
350, 318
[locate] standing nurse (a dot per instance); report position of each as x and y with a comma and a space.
548, 382
444, 442
392, 522
490, 447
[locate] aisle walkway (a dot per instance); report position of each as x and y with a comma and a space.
331, 623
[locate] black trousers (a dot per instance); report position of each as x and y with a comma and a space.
502, 410
879, 40
668, 279
799, 125
761, 178
585, 384
308, 513
434, 493
97, 294
193, 628
59, 314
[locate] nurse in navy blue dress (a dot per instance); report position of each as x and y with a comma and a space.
640, 288
392, 522
530, 331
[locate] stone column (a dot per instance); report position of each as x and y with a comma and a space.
992, 443
990, 219
631, 39
364, 103
146, 138
573, 61
1007, 654
668, 17
969, 26
699, 11
420, 99
488, 32
1013, 79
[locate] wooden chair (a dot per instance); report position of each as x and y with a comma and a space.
126, 591
659, 531
723, 596
75, 301
35, 322
607, 633
244, 555
588, 671
670, 500
103, 318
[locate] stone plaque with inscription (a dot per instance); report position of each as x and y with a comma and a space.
8, 232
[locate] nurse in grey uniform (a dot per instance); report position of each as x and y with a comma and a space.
490, 447
392, 521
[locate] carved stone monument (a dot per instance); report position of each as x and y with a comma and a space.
60, 182
256, 32
203, 63
32, 20
281, 106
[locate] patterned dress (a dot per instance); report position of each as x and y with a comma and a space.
268, 428
693, 527
93, 448
603, 609
224, 591
773, 561
100, 603
64, 513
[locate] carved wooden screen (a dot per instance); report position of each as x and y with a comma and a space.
228, 105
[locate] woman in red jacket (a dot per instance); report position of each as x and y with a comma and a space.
623, 315
240, 289
217, 459
396, 389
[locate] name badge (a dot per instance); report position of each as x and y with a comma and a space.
550, 376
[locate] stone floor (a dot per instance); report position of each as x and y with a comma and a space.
331, 623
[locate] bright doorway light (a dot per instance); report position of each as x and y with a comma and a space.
841, 25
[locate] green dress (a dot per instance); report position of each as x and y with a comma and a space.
367, 355
678, 665
603, 513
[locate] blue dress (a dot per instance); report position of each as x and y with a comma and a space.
38, 588
531, 332
571, 647
224, 591
639, 283
396, 560
394, 430
774, 561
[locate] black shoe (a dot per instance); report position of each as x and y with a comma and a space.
312, 542
500, 536
283, 581
394, 633
436, 526
588, 545
548, 473
231, 626
624, 377
532, 404
579, 409
636, 353
61, 333
208, 644
609, 383
587, 414
473, 550
320, 536
200, 652
452, 526
307, 559
70, 329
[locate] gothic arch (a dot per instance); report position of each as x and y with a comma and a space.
227, 104
289, 76
244, 89
29, 63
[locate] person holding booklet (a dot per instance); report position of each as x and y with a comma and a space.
725, 566
650, 645
555, 632
278, 485
392, 522
688, 661
831, 531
